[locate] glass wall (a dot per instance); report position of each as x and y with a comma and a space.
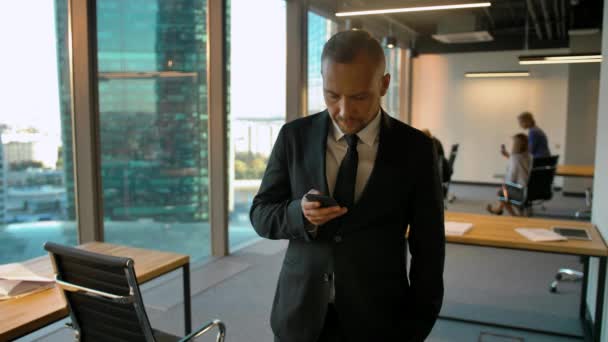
320, 29
391, 101
153, 124
256, 102
36, 197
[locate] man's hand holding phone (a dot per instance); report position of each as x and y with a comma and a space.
319, 209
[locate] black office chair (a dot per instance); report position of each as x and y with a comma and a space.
448, 181
539, 188
104, 299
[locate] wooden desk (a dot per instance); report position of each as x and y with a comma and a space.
26, 314
499, 232
575, 171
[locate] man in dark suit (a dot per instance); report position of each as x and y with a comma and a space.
344, 276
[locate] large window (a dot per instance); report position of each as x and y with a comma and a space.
320, 30
256, 102
36, 196
391, 101
153, 124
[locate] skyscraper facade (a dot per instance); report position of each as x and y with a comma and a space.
65, 104
153, 110
320, 29
2, 184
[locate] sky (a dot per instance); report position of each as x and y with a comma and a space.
29, 94
258, 43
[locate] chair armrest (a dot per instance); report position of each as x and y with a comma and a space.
514, 185
206, 328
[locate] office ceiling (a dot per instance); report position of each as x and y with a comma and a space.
513, 24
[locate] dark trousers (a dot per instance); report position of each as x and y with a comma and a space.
332, 330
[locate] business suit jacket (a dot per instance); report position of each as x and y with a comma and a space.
365, 249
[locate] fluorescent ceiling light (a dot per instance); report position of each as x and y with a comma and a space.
561, 59
486, 74
414, 9
561, 62
564, 58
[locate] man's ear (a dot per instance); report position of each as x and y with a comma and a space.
386, 80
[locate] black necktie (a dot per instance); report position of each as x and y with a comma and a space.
344, 191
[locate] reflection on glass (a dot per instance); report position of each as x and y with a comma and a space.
256, 102
391, 101
153, 124
36, 201
320, 30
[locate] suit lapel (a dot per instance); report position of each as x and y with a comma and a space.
316, 158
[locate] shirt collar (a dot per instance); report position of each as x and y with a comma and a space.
367, 135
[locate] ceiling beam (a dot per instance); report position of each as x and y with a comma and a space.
558, 26
564, 22
547, 19
532, 13
512, 11
487, 12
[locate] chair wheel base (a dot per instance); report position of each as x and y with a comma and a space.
553, 287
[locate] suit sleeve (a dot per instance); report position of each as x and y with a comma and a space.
427, 245
274, 215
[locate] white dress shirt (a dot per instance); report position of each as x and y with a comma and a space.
367, 148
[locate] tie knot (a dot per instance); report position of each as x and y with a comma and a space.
351, 140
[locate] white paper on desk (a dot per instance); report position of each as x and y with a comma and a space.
17, 280
10, 289
540, 234
18, 271
457, 228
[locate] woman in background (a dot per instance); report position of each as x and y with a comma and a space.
518, 171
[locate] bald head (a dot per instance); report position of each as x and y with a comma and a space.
347, 46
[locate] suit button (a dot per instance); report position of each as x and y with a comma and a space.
338, 238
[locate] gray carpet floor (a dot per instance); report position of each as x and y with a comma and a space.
486, 284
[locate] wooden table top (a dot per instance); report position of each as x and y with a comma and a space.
575, 170
23, 315
499, 231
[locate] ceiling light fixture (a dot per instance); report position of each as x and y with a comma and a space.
486, 74
414, 9
390, 42
560, 59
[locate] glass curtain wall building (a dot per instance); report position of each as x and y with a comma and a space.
36, 173
320, 29
2, 184
153, 124
391, 101
256, 59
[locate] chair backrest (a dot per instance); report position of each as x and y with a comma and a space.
540, 183
453, 153
102, 294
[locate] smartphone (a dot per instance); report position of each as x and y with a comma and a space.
325, 201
